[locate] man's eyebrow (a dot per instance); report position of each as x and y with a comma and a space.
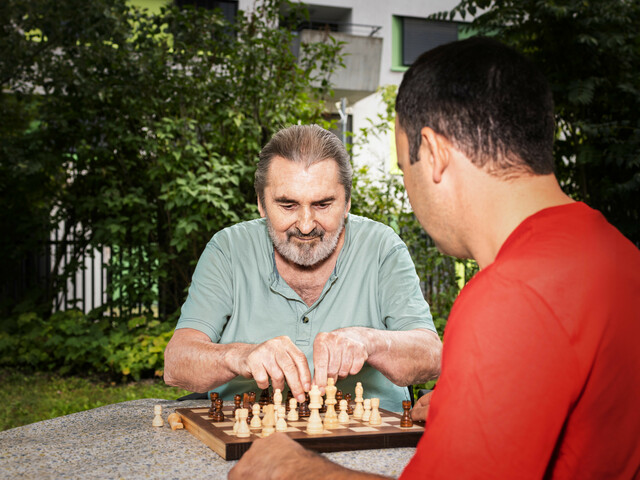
325, 200
284, 200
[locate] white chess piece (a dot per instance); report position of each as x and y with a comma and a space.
293, 410
236, 423
367, 410
256, 423
268, 422
330, 416
359, 410
243, 428
375, 418
157, 419
277, 398
281, 423
314, 425
344, 416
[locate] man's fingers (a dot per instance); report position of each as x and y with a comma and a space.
288, 365
421, 408
320, 361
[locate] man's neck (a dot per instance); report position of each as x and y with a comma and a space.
501, 205
308, 282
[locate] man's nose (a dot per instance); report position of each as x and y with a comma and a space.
306, 221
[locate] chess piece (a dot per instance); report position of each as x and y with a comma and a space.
303, 409
288, 400
314, 425
175, 421
243, 428
237, 399
213, 396
252, 398
293, 410
405, 420
331, 417
344, 416
256, 423
349, 406
264, 397
157, 419
281, 423
218, 416
367, 410
277, 399
236, 424
375, 419
358, 411
339, 396
268, 422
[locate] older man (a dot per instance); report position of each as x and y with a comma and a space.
308, 286
541, 369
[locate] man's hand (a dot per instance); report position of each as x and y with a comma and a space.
338, 354
279, 457
421, 408
280, 360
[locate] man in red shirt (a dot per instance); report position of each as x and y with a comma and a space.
540, 368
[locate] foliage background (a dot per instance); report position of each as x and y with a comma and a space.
589, 51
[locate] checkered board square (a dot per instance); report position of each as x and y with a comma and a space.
356, 435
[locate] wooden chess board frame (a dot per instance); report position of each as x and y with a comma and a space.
355, 435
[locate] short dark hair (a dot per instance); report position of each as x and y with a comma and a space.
307, 144
493, 104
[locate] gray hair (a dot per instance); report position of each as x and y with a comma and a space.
308, 144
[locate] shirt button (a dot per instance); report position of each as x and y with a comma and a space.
305, 320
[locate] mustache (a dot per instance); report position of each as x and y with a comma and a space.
315, 233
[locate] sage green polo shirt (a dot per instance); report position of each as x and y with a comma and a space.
236, 295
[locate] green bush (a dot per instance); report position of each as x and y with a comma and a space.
74, 343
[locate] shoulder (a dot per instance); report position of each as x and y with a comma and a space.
365, 232
241, 236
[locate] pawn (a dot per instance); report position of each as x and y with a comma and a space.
256, 423
367, 410
293, 410
218, 416
375, 418
288, 400
405, 420
281, 423
157, 419
303, 410
344, 416
277, 399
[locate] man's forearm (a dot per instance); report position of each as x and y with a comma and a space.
196, 364
404, 357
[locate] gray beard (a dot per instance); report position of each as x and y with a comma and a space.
306, 254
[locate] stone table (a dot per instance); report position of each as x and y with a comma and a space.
118, 441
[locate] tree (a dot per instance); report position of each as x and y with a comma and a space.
590, 52
141, 132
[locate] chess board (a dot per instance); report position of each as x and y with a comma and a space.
355, 435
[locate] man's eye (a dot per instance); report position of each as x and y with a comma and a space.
323, 205
287, 206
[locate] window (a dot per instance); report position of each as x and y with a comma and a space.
229, 7
413, 36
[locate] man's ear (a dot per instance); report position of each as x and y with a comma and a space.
346, 210
261, 209
435, 149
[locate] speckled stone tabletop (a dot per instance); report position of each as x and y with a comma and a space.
118, 441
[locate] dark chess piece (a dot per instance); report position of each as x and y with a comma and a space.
213, 396
303, 409
264, 397
289, 397
347, 397
405, 420
246, 403
237, 400
218, 416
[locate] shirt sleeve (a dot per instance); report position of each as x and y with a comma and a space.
209, 303
506, 386
402, 303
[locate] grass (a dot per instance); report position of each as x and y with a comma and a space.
30, 397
